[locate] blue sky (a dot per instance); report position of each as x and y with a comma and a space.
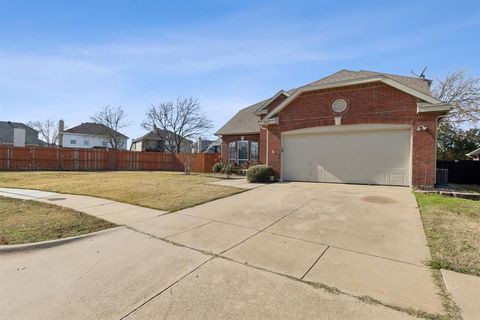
67, 59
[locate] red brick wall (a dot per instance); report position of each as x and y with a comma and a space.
234, 138
272, 105
367, 103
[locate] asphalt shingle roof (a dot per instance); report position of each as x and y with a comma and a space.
94, 129
245, 121
416, 83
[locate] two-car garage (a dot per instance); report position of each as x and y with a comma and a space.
365, 154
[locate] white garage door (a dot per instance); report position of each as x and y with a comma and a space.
366, 157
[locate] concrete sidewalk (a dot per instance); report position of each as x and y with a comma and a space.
116, 212
465, 290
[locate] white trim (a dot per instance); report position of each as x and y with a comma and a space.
380, 78
349, 129
427, 107
260, 111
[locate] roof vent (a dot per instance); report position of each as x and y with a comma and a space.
339, 105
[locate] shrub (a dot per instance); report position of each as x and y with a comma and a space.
259, 173
217, 167
231, 169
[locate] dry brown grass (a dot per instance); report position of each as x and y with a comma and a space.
452, 226
25, 221
168, 191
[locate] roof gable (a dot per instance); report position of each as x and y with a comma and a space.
422, 85
247, 119
158, 135
96, 129
243, 122
10, 125
346, 78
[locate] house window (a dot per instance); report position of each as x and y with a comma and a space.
231, 152
86, 142
73, 141
105, 143
242, 153
254, 151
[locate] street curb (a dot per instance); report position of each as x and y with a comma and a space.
52, 243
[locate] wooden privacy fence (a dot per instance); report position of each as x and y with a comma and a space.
461, 171
39, 158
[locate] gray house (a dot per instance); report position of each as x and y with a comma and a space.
18, 134
157, 141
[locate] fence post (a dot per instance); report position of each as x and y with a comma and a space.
112, 159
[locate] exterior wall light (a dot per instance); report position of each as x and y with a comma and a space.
422, 128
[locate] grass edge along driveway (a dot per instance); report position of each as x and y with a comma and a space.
27, 221
452, 227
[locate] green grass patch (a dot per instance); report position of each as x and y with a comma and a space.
25, 221
452, 227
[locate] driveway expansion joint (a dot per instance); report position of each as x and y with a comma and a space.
315, 285
165, 289
187, 230
350, 250
321, 255
261, 230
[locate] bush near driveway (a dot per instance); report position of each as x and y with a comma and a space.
259, 173
452, 227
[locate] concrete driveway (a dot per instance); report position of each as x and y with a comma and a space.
287, 250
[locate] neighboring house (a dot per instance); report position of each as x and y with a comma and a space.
91, 135
208, 146
157, 141
214, 147
352, 127
18, 134
475, 154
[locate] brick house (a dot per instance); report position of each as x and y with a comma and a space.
350, 127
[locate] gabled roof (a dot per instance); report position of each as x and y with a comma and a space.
262, 108
157, 135
420, 84
246, 120
416, 87
10, 125
96, 129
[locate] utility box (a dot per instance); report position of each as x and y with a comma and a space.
18, 137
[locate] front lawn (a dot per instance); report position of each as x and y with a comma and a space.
452, 226
168, 191
25, 221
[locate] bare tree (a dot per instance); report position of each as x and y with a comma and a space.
462, 92
178, 121
114, 120
48, 130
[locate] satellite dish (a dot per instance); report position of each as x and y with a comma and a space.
422, 75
